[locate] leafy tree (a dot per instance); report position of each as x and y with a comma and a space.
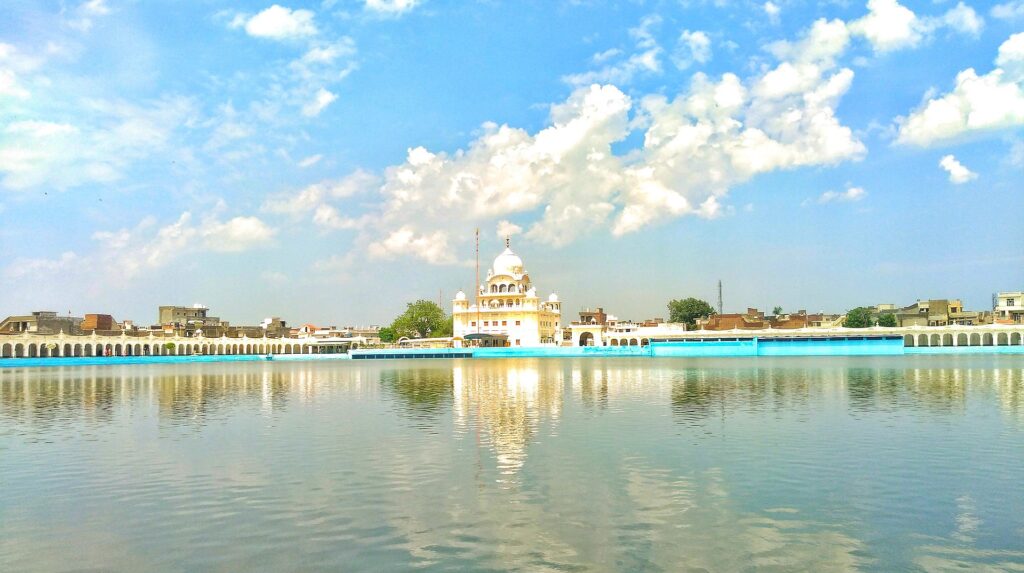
688, 310
777, 310
387, 334
168, 346
887, 319
859, 317
422, 319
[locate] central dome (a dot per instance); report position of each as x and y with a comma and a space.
508, 263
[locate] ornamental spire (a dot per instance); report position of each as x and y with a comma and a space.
508, 239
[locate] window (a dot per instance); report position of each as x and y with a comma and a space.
473, 323
486, 323
504, 323
1010, 301
517, 323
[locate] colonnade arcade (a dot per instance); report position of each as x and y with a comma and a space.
963, 339
33, 346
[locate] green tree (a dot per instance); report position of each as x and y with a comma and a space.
168, 346
688, 310
777, 310
422, 319
859, 317
887, 319
387, 334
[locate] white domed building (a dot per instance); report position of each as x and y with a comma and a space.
509, 307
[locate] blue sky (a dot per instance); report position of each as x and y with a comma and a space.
327, 162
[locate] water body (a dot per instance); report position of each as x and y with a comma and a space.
774, 464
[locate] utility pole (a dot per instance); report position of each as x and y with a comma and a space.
719, 296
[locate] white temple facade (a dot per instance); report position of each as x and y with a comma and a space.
508, 306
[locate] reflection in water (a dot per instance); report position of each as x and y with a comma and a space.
502, 405
531, 465
424, 393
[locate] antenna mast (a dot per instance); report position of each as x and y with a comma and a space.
719, 296
476, 287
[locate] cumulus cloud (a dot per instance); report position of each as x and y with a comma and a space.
772, 10
277, 23
977, 103
958, 174
645, 60
391, 7
692, 48
890, 26
850, 195
237, 234
431, 247
569, 179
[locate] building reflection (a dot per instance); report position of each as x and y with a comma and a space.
504, 404
709, 393
39, 399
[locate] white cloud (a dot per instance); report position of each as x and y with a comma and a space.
963, 19
237, 234
508, 229
773, 11
13, 65
315, 199
958, 174
432, 248
851, 194
890, 26
113, 136
321, 100
277, 23
568, 180
83, 16
1016, 156
646, 60
977, 103
391, 7
132, 252
1013, 10
692, 48
310, 161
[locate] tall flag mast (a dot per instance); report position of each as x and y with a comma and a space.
477, 286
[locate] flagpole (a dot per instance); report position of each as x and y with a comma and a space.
477, 286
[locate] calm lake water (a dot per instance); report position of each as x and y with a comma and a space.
816, 464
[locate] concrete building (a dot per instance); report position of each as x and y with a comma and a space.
41, 322
194, 316
508, 306
938, 312
1009, 308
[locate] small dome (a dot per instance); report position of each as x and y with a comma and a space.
460, 295
508, 263
553, 298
